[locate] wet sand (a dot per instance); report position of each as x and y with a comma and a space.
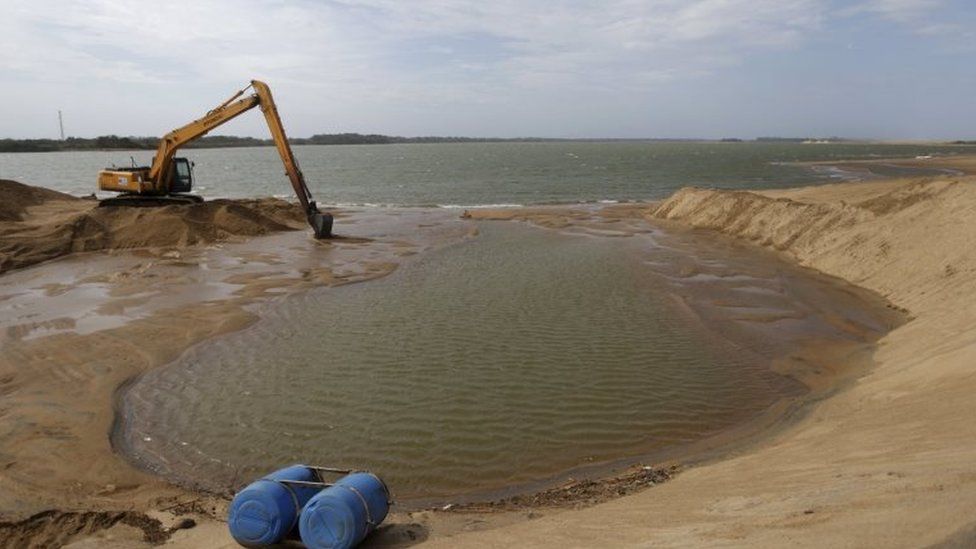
893, 451
888, 168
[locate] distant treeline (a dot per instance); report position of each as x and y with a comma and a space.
376, 139
109, 142
802, 140
114, 142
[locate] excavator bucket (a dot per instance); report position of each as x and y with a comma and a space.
321, 224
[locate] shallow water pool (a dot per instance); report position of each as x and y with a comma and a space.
497, 361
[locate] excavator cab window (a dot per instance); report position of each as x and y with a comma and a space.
182, 176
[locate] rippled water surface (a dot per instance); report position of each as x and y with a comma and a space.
478, 173
499, 360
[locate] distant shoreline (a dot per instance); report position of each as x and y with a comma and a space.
114, 142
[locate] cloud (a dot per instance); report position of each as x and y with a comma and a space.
359, 63
655, 35
902, 11
930, 19
322, 42
364, 53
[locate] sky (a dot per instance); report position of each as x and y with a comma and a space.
885, 69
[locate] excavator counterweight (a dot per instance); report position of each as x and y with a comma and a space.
169, 177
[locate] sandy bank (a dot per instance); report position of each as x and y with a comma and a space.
890, 462
38, 224
904, 239
961, 164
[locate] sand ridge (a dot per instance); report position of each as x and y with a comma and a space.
892, 237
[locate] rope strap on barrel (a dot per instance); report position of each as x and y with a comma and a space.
369, 518
386, 489
294, 500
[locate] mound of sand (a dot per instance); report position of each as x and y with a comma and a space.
44, 224
16, 197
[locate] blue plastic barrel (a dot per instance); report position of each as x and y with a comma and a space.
343, 514
267, 510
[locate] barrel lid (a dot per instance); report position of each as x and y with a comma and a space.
254, 519
328, 524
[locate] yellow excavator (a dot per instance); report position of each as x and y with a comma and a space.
170, 177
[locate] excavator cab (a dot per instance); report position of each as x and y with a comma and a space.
182, 180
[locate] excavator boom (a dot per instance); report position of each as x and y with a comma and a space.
292, 170
161, 179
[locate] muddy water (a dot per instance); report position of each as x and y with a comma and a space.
498, 361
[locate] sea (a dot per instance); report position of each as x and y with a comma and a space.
465, 175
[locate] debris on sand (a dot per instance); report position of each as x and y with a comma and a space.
55, 528
580, 493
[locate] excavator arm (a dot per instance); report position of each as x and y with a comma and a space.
171, 142
292, 170
159, 174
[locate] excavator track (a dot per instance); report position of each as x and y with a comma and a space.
143, 201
